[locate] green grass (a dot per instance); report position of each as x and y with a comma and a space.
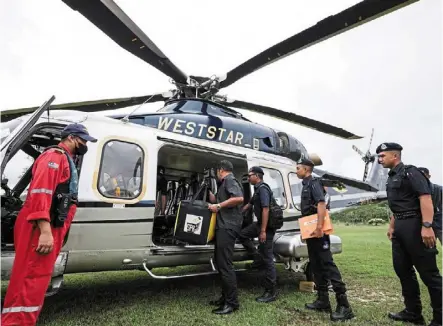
132, 298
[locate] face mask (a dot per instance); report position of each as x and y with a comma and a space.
81, 149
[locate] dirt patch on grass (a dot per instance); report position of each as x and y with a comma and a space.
374, 295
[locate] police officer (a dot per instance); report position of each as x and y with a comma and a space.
40, 229
436, 193
229, 199
320, 256
411, 233
260, 202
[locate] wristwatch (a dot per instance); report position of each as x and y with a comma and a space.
427, 225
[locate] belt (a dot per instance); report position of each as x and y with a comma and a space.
406, 215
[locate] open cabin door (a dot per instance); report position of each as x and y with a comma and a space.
10, 145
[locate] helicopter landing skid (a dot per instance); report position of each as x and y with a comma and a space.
167, 277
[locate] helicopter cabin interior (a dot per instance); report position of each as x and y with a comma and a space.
17, 175
189, 173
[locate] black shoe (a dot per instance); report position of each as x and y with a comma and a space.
343, 310
321, 304
408, 316
219, 302
267, 296
224, 310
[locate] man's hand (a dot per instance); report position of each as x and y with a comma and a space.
45, 243
262, 237
390, 232
428, 236
245, 208
213, 208
318, 232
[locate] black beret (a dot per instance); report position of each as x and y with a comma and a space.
388, 147
256, 169
306, 161
424, 170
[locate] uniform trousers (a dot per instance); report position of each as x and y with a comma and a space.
224, 252
408, 251
323, 266
266, 251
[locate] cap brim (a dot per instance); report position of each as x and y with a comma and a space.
88, 138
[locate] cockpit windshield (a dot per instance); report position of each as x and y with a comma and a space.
6, 128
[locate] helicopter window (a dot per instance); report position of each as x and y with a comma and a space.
121, 170
275, 180
296, 185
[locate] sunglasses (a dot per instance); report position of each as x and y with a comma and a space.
250, 175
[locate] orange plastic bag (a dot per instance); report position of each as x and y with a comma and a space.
308, 224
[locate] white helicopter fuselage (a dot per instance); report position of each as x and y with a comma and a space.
111, 233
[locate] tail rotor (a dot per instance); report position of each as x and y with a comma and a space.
366, 157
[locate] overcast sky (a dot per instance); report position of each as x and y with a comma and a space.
384, 75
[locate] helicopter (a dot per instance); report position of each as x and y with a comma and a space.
117, 225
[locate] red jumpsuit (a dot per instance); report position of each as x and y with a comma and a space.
31, 271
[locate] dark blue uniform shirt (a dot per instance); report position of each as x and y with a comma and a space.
261, 199
229, 217
404, 187
311, 194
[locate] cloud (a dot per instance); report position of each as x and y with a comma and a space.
384, 75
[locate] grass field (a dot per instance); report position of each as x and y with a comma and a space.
132, 298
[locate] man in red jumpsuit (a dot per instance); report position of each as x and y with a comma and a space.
37, 240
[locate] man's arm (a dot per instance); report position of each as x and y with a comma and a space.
235, 194
50, 169
319, 199
421, 187
265, 198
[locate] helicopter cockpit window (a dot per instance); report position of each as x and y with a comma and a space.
275, 181
296, 185
121, 170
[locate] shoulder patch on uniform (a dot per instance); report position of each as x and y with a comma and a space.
53, 165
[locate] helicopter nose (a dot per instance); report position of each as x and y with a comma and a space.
315, 159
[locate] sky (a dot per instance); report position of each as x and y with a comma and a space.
386, 74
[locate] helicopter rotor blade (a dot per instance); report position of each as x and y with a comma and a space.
87, 106
294, 118
331, 26
370, 141
110, 19
355, 148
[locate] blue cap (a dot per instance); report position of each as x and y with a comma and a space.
78, 130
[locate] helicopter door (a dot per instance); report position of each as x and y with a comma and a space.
11, 142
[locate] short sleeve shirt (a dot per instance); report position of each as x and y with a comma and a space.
229, 217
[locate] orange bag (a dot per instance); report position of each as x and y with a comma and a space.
308, 224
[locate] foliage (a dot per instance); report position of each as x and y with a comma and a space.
363, 214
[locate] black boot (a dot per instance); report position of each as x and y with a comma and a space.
321, 304
268, 296
408, 316
343, 310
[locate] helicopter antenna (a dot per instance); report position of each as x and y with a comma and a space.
126, 118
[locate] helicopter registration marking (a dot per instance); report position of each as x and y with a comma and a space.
189, 128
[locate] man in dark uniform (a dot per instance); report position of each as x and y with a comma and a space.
320, 256
411, 233
229, 199
260, 202
436, 194
162, 190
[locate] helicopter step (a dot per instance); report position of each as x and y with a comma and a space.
167, 277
